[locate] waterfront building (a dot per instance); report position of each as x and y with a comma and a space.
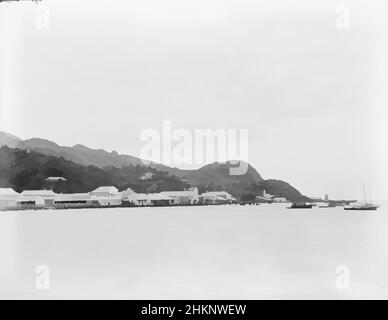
279, 199
109, 201
32, 202
189, 196
160, 199
106, 191
216, 197
75, 200
131, 198
8, 192
8, 198
269, 198
48, 197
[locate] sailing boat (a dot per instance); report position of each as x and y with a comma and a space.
362, 206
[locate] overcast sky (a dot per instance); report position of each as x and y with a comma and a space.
313, 97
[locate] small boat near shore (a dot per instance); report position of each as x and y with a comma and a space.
362, 206
329, 205
300, 205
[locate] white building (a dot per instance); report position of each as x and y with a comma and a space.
28, 199
8, 198
216, 197
33, 202
130, 197
141, 199
269, 198
48, 196
74, 200
109, 201
55, 179
189, 196
265, 197
146, 176
279, 199
8, 192
160, 199
106, 191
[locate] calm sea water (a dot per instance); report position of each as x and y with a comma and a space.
210, 252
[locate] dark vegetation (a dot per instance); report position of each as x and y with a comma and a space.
21, 169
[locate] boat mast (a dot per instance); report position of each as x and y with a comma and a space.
363, 187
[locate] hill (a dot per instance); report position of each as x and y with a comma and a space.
8, 139
22, 170
79, 153
213, 176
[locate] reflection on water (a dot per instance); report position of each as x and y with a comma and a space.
194, 252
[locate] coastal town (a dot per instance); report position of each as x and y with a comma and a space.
110, 196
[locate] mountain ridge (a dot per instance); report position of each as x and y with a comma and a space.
213, 176
8, 139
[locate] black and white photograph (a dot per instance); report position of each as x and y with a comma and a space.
193, 150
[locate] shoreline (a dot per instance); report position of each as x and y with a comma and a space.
119, 206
